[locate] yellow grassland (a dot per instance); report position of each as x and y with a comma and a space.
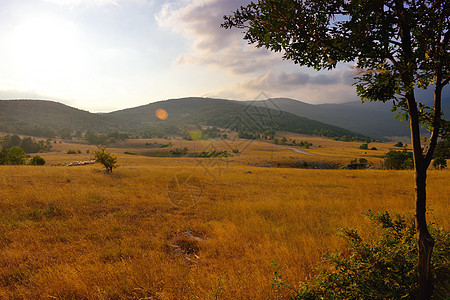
78, 233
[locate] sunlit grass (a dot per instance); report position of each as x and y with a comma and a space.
76, 232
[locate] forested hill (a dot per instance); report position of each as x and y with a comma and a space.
373, 119
228, 114
47, 118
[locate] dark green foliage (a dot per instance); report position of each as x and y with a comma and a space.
178, 151
440, 163
29, 145
399, 144
357, 165
37, 161
168, 145
215, 153
373, 148
399, 160
199, 134
248, 136
443, 148
103, 156
16, 156
3, 156
384, 268
364, 146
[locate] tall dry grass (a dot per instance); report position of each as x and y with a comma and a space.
79, 233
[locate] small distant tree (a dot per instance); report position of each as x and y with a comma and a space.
103, 156
37, 161
399, 144
399, 160
440, 163
16, 156
3, 156
364, 146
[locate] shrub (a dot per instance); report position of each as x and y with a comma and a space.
178, 151
71, 151
385, 268
364, 146
440, 163
37, 161
16, 156
103, 156
399, 160
399, 144
3, 156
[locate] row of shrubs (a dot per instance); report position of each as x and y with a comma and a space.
16, 156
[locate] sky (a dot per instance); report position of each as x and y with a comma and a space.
106, 55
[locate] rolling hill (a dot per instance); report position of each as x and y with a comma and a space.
370, 118
46, 118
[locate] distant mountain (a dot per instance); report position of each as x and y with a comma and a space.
370, 118
47, 118
235, 115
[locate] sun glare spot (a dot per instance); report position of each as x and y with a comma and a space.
161, 114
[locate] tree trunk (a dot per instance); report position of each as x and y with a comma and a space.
425, 240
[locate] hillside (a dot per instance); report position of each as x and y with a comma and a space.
46, 118
234, 115
370, 118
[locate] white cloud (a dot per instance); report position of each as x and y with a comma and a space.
258, 69
73, 3
199, 21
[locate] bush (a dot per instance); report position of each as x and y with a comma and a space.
37, 161
364, 146
103, 156
16, 156
440, 163
178, 151
399, 144
72, 151
385, 268
355, 165
399, 160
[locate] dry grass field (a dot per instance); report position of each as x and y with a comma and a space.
189, 228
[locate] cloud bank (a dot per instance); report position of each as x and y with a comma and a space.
257, 69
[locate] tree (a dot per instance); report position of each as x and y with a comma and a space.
103, 156
16, 156
364, 146
399, 160
37, 161
440, 163
3, 156
397, 46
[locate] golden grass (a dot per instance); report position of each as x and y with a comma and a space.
75, 232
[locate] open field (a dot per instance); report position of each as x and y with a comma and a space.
78, 233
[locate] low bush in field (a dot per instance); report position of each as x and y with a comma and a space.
37, 161
382, 269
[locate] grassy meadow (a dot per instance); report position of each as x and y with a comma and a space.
189, 228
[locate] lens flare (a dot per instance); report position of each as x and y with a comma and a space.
161, 114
